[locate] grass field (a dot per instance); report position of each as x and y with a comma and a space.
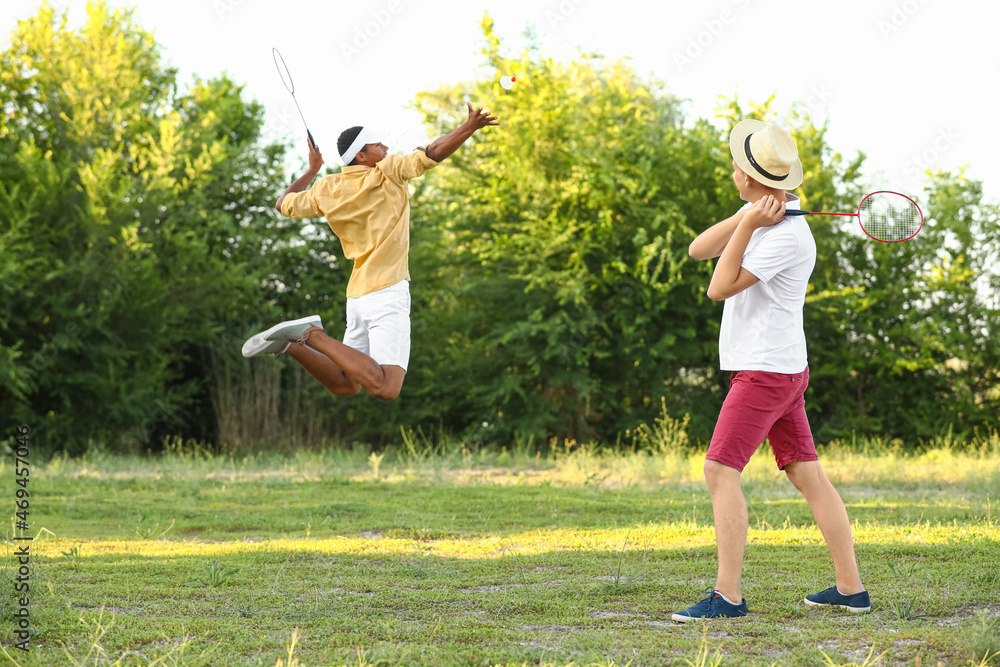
435, 555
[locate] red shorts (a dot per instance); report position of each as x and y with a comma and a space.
762, 404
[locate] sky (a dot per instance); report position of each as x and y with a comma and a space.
911, 83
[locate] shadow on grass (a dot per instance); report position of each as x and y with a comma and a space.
607, 595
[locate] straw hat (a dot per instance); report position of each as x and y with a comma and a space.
767, 153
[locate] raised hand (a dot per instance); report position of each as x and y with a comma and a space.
315, 157
765, 212
478, 119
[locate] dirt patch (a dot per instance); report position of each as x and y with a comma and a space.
622, 580
771, 654
832, 649
174, 641
110, 610
553, 629
495, 588
490, 588
665, 625
615, 614
960, 619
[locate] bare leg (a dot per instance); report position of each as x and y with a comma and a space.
323, 369
382, 382
729, 508
831, 516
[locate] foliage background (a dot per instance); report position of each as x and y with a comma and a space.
553, 294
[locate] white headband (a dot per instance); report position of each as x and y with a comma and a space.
367, 135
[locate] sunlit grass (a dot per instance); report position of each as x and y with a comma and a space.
438, 554
645, 462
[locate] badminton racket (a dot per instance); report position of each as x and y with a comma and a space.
286, 78
885, 216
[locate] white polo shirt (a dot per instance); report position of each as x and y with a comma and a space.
762, 325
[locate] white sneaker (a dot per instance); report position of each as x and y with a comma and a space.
273, 340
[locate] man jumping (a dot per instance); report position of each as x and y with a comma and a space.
367, 206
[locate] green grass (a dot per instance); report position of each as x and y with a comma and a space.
436, 555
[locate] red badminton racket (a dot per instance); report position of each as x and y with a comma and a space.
885, 216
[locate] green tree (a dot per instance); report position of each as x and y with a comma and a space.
555, 295
918, 348
134, 230
560, 296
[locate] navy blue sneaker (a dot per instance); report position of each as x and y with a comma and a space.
714, 606
858, 603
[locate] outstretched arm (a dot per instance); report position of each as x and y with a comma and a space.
315, 162
444, 146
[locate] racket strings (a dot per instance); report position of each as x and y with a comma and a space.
286, 79
286, 76
889, 217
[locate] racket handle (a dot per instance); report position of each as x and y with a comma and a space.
311, 140
795, 211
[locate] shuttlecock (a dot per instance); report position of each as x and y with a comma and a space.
507, 82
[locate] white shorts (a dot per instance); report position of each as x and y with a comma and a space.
378, 324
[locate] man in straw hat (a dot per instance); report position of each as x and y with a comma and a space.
367, 206
765, 260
